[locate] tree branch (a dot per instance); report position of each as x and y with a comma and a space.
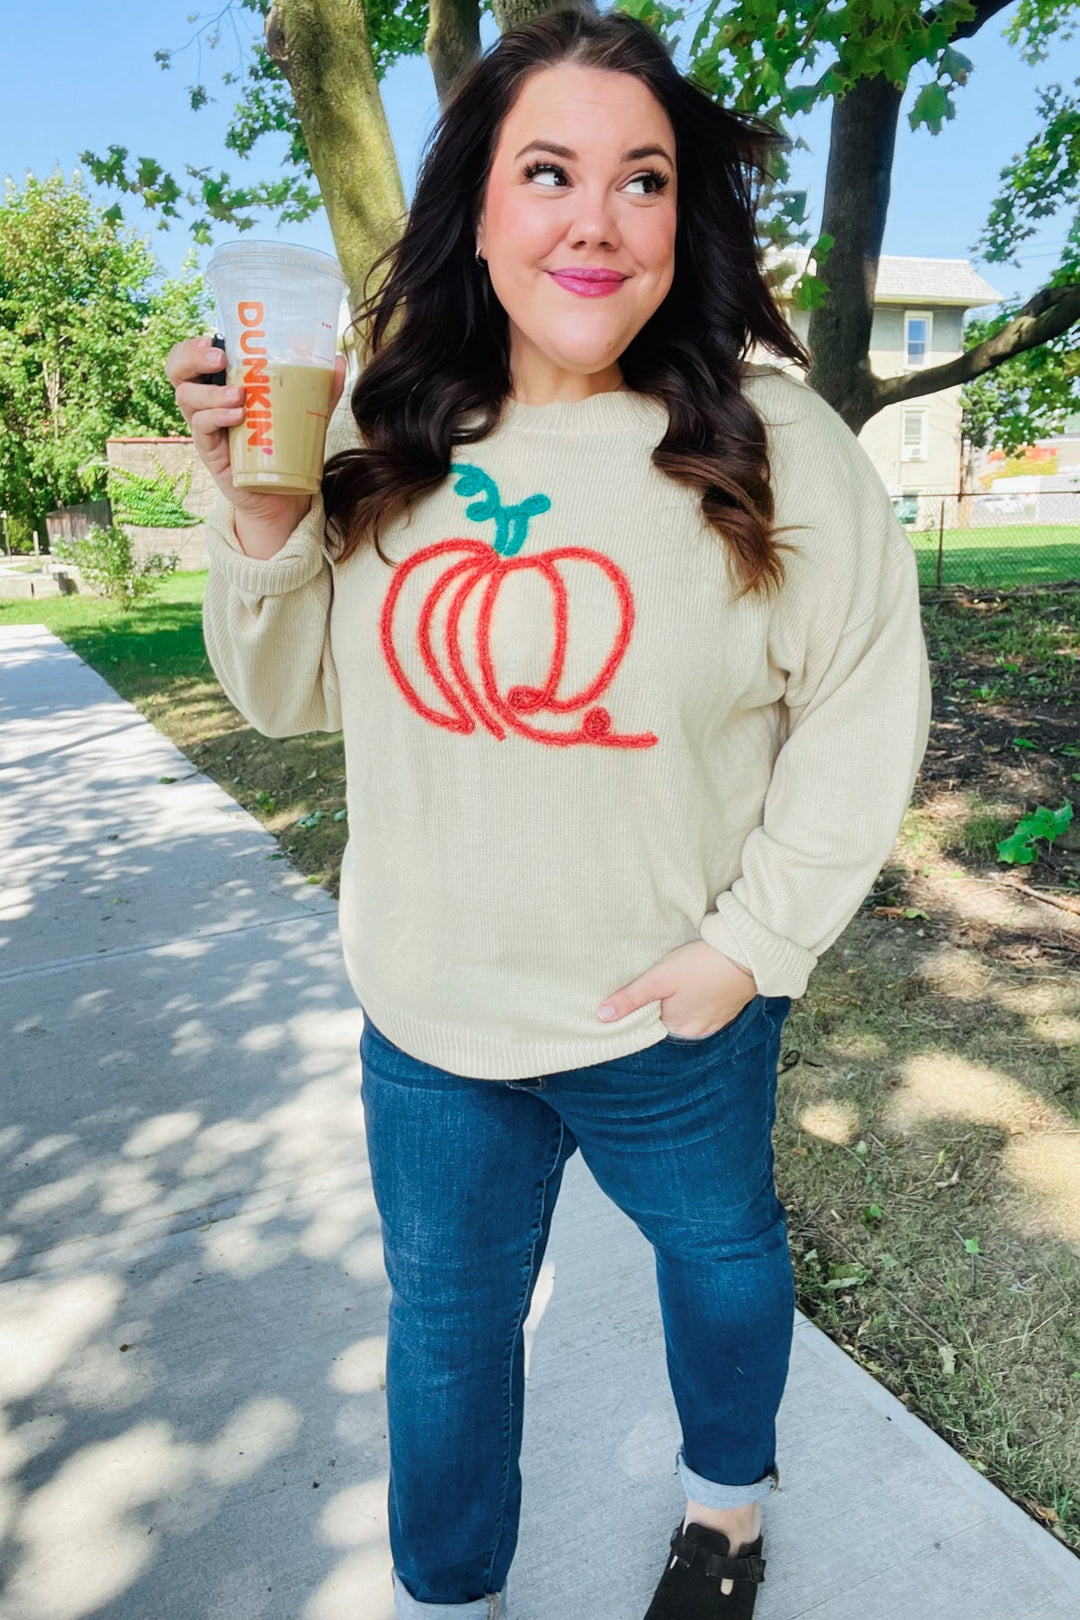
1050, 312
984, 10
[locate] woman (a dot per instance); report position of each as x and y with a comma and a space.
618, 771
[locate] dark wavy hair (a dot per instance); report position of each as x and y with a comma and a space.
448, 355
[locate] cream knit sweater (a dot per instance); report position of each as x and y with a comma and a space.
567, 750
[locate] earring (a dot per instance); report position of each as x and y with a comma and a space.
479, 259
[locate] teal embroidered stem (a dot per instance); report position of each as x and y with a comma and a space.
511, 522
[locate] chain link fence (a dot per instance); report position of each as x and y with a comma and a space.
994, 539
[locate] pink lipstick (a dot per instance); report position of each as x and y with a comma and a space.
589, 283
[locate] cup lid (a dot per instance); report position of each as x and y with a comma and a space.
287, 255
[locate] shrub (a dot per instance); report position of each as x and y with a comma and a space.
103, 558
152, 501
19, 532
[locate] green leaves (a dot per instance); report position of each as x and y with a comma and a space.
1019, 848
1028, 396
85, 323
764, 49
932, 106
1041, 180
845, 1275
810, 290
105, 560
1034, 24
779, 59
840, 1273
264, 110
660, 18
316, 816
212, 196
154, 502
955, 64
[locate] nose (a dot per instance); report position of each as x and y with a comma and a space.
595, 221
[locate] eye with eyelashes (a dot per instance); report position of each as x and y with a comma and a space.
658, 179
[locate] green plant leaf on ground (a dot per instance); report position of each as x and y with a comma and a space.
1019, 847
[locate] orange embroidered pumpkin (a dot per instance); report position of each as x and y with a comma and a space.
487, 568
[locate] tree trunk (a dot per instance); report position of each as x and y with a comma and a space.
857, 185
452, 40
322, 48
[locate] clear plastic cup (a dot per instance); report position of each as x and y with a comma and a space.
278, 308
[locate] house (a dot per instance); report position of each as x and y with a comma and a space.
919, 308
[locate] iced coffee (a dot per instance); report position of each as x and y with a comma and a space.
278, 308
280, 443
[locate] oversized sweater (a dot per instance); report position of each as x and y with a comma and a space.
568, 750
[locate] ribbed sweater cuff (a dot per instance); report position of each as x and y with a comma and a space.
780, 967
298, 561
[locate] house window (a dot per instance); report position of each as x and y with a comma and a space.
914, 433
917, 330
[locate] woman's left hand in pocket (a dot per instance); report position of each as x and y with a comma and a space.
698, 988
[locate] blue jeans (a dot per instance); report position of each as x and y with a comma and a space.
465, 1174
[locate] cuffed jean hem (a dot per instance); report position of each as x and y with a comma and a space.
406, 1607
707, 1493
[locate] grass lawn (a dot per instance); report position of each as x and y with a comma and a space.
1018, 554
928, 1123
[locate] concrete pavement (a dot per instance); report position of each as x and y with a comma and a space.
192, 1301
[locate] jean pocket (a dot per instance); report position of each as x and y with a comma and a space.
741, 1017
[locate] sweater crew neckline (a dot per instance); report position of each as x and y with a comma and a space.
615, 410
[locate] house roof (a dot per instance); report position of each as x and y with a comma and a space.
909, 280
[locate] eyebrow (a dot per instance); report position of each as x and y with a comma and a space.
632, 156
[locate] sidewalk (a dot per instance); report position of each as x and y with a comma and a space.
192, 1302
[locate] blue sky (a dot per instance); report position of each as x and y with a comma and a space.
78, 77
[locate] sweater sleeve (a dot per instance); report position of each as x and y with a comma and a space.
266, 621
858, 719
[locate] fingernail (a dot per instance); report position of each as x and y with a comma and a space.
607, 1012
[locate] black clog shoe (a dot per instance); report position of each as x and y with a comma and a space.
691, 1586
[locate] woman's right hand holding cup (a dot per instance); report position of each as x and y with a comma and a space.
263, 521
